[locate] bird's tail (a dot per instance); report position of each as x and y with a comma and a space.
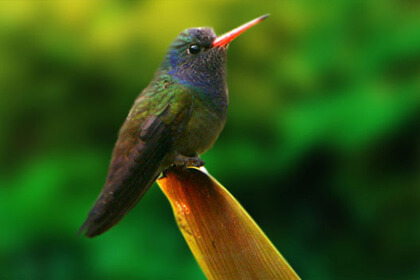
128, 180
107, 212
110, 207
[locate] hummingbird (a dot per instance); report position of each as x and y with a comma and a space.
176, 118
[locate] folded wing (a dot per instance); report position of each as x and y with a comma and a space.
145, 139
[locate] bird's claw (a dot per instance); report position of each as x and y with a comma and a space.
185, 161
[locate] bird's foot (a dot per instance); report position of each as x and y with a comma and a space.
185, 161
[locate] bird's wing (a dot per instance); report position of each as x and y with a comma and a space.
147, 135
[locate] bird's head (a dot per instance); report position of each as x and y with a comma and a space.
197, 57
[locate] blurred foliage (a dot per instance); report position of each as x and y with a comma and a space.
322, 143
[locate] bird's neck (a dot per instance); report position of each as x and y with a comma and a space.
208, 84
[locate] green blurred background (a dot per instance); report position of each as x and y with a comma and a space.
322, 143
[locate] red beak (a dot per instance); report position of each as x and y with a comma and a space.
226, 38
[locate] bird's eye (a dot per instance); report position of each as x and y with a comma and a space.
194, 49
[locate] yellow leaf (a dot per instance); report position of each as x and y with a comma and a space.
224, 239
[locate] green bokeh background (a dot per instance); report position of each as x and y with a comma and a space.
322, 143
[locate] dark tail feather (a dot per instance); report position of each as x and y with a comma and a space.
128, 180
110, 208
